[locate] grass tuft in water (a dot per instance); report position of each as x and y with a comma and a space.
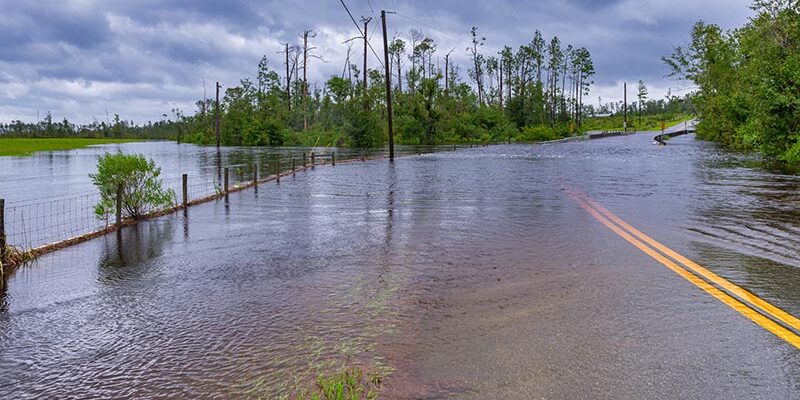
350, 384
14, 257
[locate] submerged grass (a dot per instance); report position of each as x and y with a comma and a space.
349, 384
28, 146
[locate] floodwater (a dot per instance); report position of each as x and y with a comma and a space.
467, 274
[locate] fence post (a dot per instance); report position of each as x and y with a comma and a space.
333, 159
313, 160
255, 175
225, 187
304, 159
293, 166
119, 205
185, 189
3, 243
278, 171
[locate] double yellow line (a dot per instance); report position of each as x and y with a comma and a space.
758, 310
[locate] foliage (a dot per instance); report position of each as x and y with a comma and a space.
142, 190
170, 127
350, 384
28, 146
748, 79
541, 83
537, 134
651, 122
536, 85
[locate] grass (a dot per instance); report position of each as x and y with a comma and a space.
649, 122
350, 384
13, 258
28, 146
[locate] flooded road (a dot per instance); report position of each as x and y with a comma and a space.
468, 274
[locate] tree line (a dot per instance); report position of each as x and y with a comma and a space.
748, 84
536, 90
167, 128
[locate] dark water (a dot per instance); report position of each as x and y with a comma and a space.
465, 274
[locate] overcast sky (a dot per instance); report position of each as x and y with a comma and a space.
140, 58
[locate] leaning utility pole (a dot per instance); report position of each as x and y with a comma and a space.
625, 106
216, 115
388, 87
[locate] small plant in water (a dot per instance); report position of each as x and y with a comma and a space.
14, 257
350, 384
142, 191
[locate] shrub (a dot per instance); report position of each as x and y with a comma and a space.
537, 134
142, 191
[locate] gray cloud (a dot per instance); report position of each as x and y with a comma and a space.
79, 58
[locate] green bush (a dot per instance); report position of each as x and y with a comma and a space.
537, 134
142, 191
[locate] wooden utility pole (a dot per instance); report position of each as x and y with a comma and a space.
388, 87
625, 106
216, 115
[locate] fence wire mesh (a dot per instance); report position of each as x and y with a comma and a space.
50, 220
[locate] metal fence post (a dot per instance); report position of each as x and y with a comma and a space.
119, 205
278, 171
304, 159
313, 160
225, 187
293, 166
185, 189
333, 159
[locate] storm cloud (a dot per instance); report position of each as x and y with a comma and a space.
81, 59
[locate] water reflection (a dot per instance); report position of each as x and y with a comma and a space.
127, 252
469, 271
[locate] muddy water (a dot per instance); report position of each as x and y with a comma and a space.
464, 274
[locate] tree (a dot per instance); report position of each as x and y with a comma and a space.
396, 50
142, 190
642, 95
747, 82
476, 72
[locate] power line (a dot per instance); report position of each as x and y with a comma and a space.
451, 36
362, 33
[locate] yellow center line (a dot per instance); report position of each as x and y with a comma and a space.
766, 323
781, 315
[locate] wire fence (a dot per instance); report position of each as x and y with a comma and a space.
56, 220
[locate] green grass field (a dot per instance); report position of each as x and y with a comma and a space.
649, 122
28, 146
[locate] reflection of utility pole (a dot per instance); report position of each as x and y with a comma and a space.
388, 87
216, 115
